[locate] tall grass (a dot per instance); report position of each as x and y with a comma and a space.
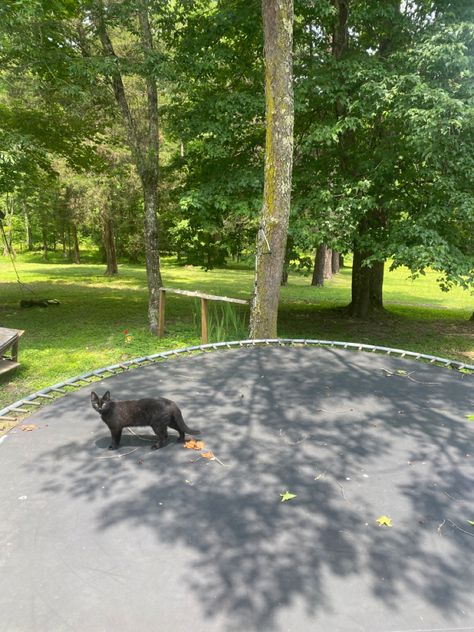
225, 321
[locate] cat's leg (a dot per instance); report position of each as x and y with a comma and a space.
116, 436
161, 432
177, 426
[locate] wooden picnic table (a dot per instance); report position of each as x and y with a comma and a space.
9, 339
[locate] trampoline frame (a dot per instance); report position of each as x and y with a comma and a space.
52, 392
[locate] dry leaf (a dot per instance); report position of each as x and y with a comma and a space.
29, 427
193, 444
287, 496
208, 455
384, 521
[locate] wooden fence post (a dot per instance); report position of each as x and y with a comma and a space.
161, 315
204, 336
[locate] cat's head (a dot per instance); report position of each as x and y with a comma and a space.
101, 404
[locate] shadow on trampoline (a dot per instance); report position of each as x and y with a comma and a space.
345, 432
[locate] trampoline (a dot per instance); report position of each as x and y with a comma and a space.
167, 540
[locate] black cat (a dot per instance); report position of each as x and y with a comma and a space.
158, 413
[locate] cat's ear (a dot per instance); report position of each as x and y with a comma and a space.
94, 397
106, 396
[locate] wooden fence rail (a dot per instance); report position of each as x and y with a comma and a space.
204, 299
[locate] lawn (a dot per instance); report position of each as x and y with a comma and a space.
86, 330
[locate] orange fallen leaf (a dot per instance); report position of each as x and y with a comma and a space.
193, 444
208, 455
28, 427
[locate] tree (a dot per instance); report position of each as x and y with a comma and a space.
144, 144
67, 48
272, 234
215, 118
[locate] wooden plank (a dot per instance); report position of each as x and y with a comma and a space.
7, 365
209, 297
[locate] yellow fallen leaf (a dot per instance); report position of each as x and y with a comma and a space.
208, 455
287, 496
28, 427
384, 521
193, 444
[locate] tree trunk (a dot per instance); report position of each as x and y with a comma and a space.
29, 234
150, 177
328, 264
286, 262
272, 235
144, 148
45, 243
152, 257
76, 255
109, 246
335, 262
320, 266
8, 249
367, 284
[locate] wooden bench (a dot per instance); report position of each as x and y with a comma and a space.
9, 339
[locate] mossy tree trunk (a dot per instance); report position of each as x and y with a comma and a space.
272, 235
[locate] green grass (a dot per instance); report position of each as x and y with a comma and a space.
86, 330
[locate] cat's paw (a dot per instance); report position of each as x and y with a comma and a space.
113, 447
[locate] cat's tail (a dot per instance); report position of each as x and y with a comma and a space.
182, 425
191, 431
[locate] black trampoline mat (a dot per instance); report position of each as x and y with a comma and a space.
168, 541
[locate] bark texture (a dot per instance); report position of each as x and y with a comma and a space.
335, 262
367, 284
319, 264
323, 265
272, 235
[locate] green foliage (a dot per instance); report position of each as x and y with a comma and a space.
226, 322
384, 134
